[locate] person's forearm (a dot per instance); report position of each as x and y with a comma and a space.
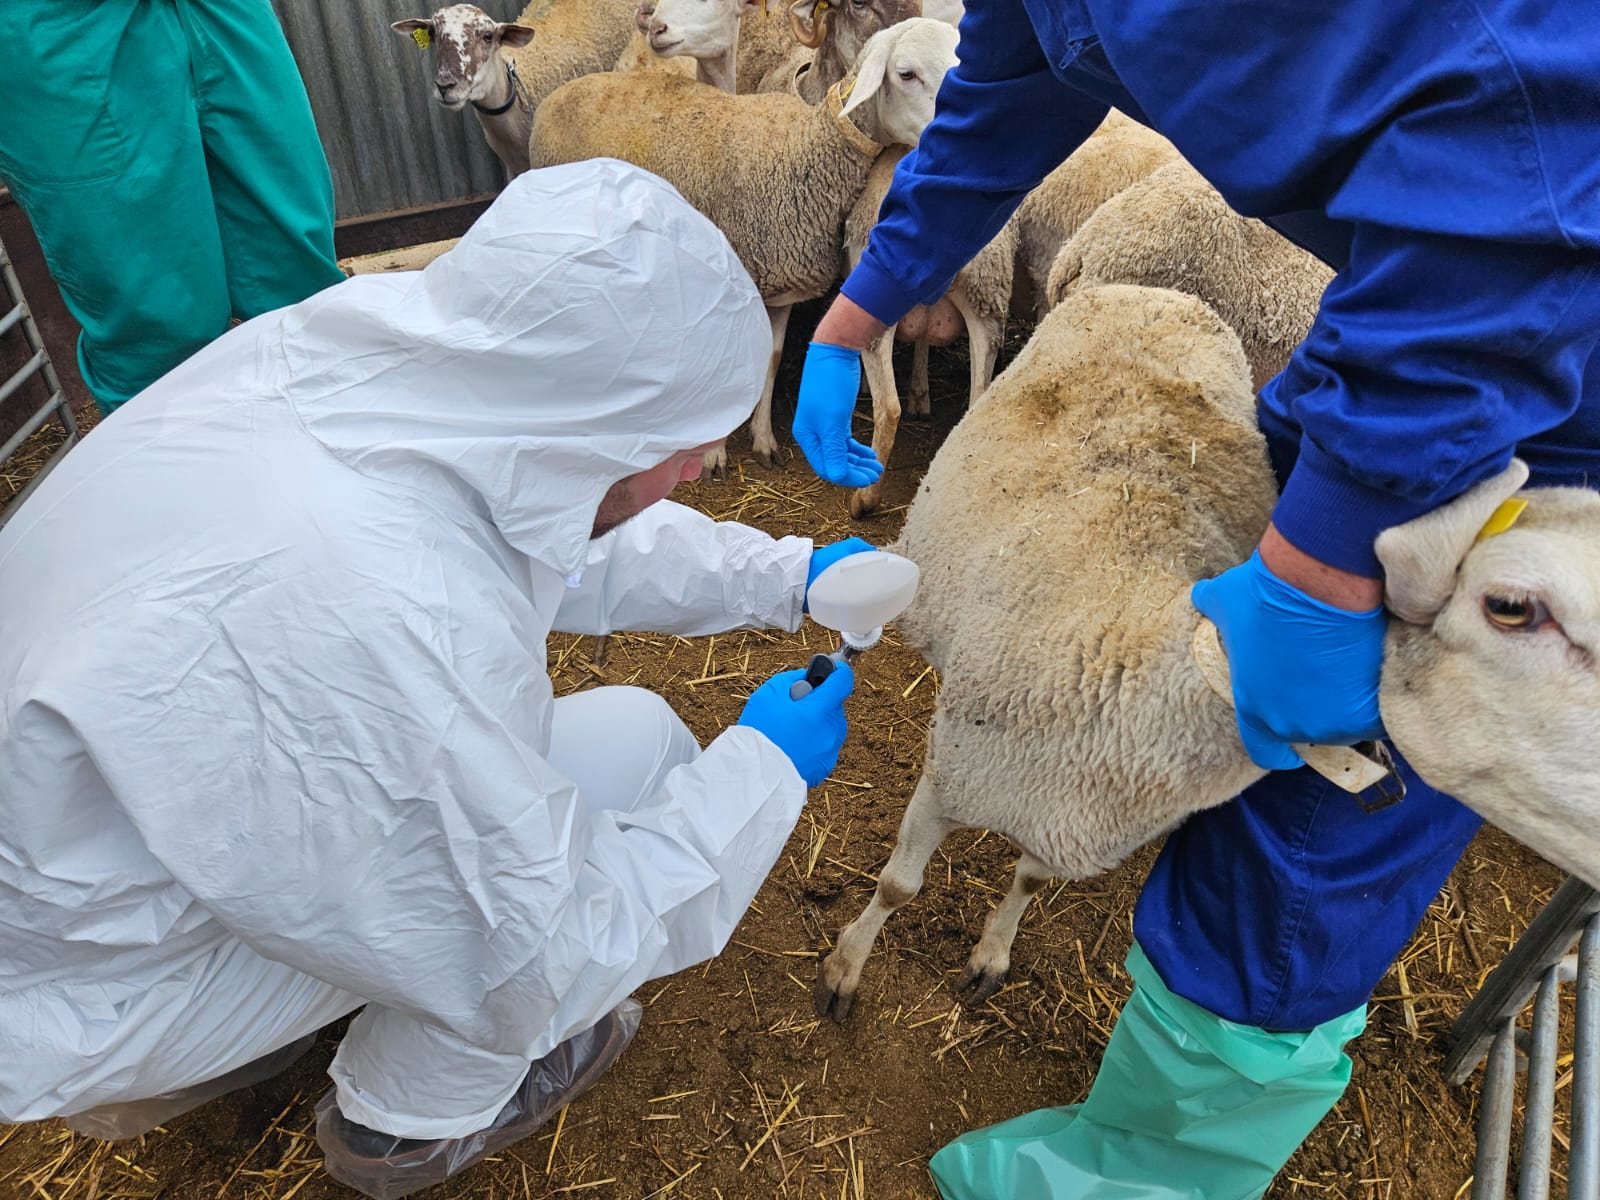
1341, 589
847, 324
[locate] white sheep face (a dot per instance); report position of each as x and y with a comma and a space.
899, 72
1498, 701
467, 44
696, 28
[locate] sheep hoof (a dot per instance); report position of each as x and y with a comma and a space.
863, 502
767, 458
832, 1000
919, 405
978, 983
716, 462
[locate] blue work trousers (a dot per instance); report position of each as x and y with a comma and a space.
1286, 907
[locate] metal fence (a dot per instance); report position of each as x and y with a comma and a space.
392, 147
30, 392
1535, 969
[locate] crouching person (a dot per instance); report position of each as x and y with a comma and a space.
277, 740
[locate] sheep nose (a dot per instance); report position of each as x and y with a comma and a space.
657, 28
443, 85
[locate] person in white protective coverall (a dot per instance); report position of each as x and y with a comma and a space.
277, 738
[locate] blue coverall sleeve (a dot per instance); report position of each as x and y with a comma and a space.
1457, 144
1003, 123
1430, 359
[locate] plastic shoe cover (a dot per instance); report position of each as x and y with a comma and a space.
1186, 1106
111, 1122
387, 1167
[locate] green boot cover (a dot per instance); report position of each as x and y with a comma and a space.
1186, 1106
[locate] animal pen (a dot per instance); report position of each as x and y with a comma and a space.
407, 172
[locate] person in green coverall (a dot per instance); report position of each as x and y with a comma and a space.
165, 155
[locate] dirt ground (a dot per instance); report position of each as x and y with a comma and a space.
735, 1089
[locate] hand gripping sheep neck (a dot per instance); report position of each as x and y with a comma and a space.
858, 593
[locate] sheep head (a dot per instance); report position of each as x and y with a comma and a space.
699, 29
890, 92
467, 42
838, 29
1491, 686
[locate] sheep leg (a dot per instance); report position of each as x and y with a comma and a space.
922, 828
762, 441
921, 404
878, 366
986, 970
983, 345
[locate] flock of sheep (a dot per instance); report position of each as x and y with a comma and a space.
1072, 716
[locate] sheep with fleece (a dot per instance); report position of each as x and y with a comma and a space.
777, 176
506, 69
1173, 229
1117, 154
830, 37
1059, 530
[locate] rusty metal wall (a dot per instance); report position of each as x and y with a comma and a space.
391, 146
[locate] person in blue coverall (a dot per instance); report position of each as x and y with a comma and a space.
1444, 159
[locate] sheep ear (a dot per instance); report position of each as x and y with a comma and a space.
514, 36
869, 72
410, 24
1420, 558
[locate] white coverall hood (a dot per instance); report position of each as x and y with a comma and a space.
483, 367
277, 737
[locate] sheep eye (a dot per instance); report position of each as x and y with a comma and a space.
1514, 612
487, 35
908, 76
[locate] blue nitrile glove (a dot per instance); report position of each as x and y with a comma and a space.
829, 382
823, 557
1303, 671
810, 730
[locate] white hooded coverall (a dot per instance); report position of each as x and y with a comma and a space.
275, 722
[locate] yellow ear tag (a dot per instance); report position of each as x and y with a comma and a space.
846, 86
1502, 519
421, 37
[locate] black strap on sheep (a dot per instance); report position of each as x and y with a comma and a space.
516, 94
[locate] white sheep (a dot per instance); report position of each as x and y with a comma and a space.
705, 32
830, 37
976, 303
1118, 153
776, 175
506, 69
1173, 229
1059, 530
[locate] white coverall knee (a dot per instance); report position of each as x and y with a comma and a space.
277, 735
616, 743
406, 1077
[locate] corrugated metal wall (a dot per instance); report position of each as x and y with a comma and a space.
391, 146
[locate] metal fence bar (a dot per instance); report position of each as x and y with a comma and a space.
1510, 986
1533, 1177
1584, 1160
38, 363
1493, 1160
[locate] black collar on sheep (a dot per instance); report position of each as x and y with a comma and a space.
516, 93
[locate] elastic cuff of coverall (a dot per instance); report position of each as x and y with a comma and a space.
357, 1109
1254, 1052
879, 292
1332, 517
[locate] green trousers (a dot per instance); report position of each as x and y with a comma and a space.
1185, 1106
165, 154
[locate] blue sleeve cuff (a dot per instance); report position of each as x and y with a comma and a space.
1330, 516
876, 290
